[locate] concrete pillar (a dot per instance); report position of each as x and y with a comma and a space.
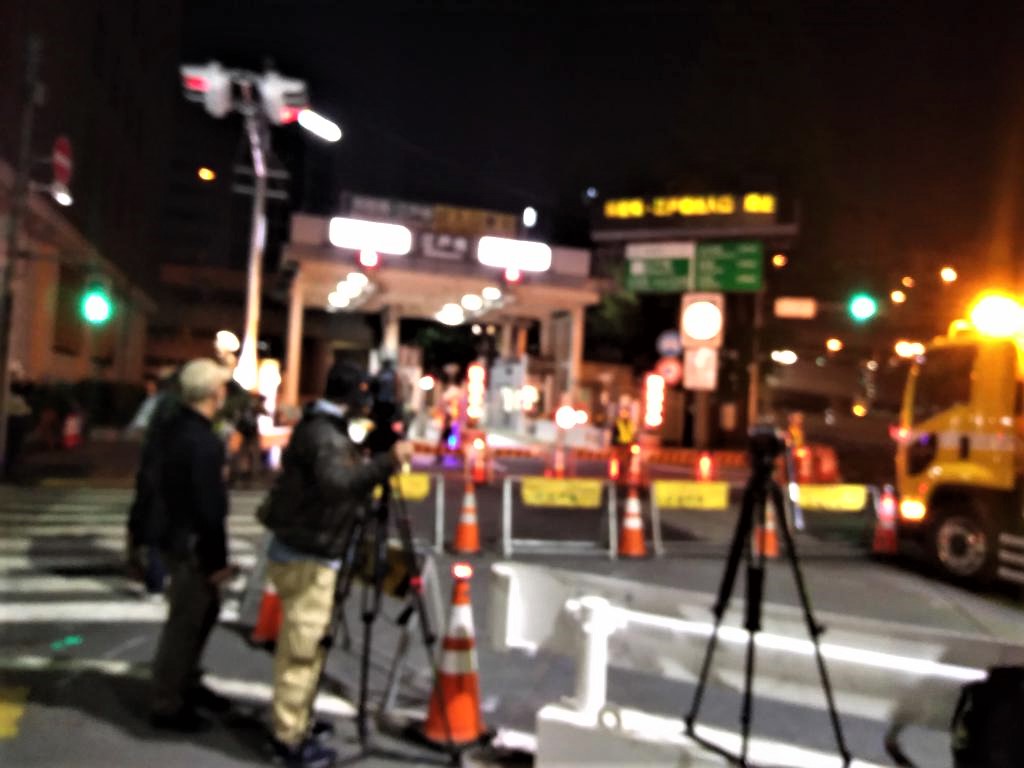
506, 340
522, 340
390, 321
575, 361
293, 348
547, 337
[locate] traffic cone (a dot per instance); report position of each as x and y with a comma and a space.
631, 537
467, 534
268, 622
71, 436
479, 462
454, 713
766, 539
885, 540
635, 472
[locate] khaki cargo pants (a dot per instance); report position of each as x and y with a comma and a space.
306, 590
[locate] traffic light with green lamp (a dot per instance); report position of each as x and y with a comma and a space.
97, 307
862, 307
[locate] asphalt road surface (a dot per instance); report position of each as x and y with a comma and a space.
75, 637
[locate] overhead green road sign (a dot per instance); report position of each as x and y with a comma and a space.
658, 275
732, 266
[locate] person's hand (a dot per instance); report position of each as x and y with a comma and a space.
402, 451
224, 575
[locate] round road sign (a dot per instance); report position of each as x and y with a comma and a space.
669, 343
670, 369
61, 160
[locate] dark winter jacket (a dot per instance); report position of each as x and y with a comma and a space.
193, 491
324, 485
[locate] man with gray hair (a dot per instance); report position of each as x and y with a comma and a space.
193, 539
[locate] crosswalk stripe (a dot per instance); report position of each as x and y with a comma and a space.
69, 585
233, 688
127, 611
55, 545
34, 528
12, 563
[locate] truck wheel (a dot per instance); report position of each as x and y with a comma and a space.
963, 545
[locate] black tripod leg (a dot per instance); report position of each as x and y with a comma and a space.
350, 565
371, 607
752, 623
813, 628
740, 538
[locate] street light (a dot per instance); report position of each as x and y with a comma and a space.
908, 281
206, 174
898, 297
834, 345
319, 125
529, 217
779, 260
948, 274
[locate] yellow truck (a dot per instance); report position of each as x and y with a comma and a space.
959, 454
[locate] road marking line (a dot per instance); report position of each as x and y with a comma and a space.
12, 707
43, 545
127, 611
31, 529
109, 585
233, 688
34, 563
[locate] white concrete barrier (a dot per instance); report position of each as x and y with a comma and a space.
896, 674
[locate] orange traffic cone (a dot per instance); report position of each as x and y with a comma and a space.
454, 713
885, 541
766, 539
268, 622
635, 472
631, 537
479, 462
467, 534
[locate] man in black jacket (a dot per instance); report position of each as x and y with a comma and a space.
325, 486
193, 539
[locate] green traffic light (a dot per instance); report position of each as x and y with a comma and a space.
863, 307
96, 306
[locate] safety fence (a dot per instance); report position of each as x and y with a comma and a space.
1011, 558
555, 493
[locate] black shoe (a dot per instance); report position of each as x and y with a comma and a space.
309, 754
202, 697
322, 730
185, 720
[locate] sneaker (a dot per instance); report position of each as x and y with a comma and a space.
185, 720
201, 697
308, 754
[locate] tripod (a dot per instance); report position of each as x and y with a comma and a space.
366, 553
766, 445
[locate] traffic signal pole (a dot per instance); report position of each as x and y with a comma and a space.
15, 212
259, 141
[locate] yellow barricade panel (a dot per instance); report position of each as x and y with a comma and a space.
834, 498
690, 494
411, 486
553, 492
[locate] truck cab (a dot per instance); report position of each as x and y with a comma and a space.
958, 458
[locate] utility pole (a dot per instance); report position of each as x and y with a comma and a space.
15, 212
259, 139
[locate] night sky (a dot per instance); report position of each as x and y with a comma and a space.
892, 123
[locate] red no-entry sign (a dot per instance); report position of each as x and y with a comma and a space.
61, 159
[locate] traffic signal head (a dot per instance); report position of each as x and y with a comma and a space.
97, 307
862, 307
283, 97
209, 84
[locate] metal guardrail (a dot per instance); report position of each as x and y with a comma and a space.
1011, 558
560, 493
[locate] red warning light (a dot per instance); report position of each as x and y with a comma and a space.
195, 83
705, 467
289, 114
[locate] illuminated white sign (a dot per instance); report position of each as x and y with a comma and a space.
363, 235
504, 253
